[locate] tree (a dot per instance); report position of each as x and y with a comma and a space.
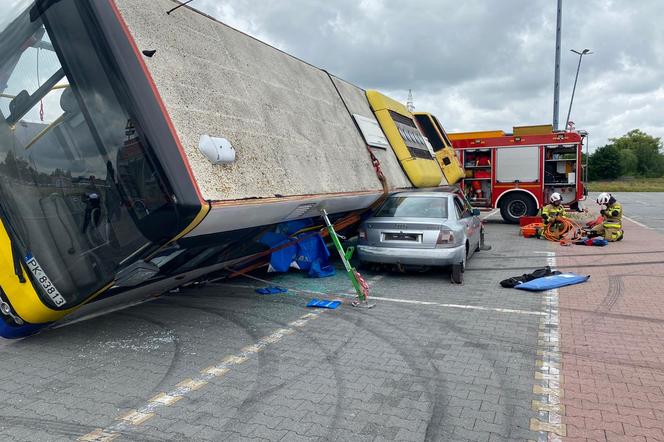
604, 163
629, 163
647, 150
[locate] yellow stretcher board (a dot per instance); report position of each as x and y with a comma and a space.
442, 146
540, 129
406, 140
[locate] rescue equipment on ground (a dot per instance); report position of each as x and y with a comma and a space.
271, 290
321, 303
552, 282
538, 273
562, 230
360, 285
532, 230
597, 241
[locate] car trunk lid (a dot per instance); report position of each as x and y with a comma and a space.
403, 233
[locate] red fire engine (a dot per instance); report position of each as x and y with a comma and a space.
518, 172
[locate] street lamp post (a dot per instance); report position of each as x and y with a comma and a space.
586, 139
556, 77
581, 54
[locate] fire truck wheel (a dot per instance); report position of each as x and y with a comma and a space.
515, 205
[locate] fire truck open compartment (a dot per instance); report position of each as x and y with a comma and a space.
561, 171
477, 183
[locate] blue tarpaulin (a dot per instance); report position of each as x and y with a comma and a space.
310, 254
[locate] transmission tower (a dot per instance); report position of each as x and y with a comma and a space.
409, 104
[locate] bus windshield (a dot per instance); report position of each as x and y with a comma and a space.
76, 178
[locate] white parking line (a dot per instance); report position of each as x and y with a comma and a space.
460, 306
636, 222
412, 301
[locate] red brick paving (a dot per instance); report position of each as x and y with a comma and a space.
612, 340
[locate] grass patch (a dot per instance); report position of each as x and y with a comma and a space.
635, 185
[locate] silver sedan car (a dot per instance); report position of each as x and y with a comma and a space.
423, 228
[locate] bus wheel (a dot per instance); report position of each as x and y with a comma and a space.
515, 205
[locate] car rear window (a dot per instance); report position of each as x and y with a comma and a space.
413, 207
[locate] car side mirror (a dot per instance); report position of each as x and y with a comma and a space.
476, 212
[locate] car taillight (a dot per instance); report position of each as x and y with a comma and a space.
445, 237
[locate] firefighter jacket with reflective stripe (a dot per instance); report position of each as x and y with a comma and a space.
551, 212
612, 216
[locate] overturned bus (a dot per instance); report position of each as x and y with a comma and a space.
140, 150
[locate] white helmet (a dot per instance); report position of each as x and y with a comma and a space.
555, 197
604, 198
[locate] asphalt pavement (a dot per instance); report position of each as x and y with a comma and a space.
431, 361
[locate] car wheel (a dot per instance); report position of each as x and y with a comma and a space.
458, 269
457, 273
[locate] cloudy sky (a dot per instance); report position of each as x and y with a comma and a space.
479, 64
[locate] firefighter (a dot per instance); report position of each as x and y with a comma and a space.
611, 226
552, 212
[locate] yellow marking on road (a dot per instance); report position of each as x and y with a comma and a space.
547, 374
541, 363
98, 435
548, 354
271, 339
234, 360
542, 406
142, 414
548, 377
538, 389
192, 384
136, 417
254, 348
547, 344
215, 371
538, 425
165, 399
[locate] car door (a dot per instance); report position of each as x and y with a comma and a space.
463, 218
471, 224
475, 224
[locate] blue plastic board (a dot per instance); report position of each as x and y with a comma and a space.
271, 290
320, 303
552, 282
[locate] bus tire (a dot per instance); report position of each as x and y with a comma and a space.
515, 205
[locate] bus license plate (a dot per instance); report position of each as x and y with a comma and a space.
44, 281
